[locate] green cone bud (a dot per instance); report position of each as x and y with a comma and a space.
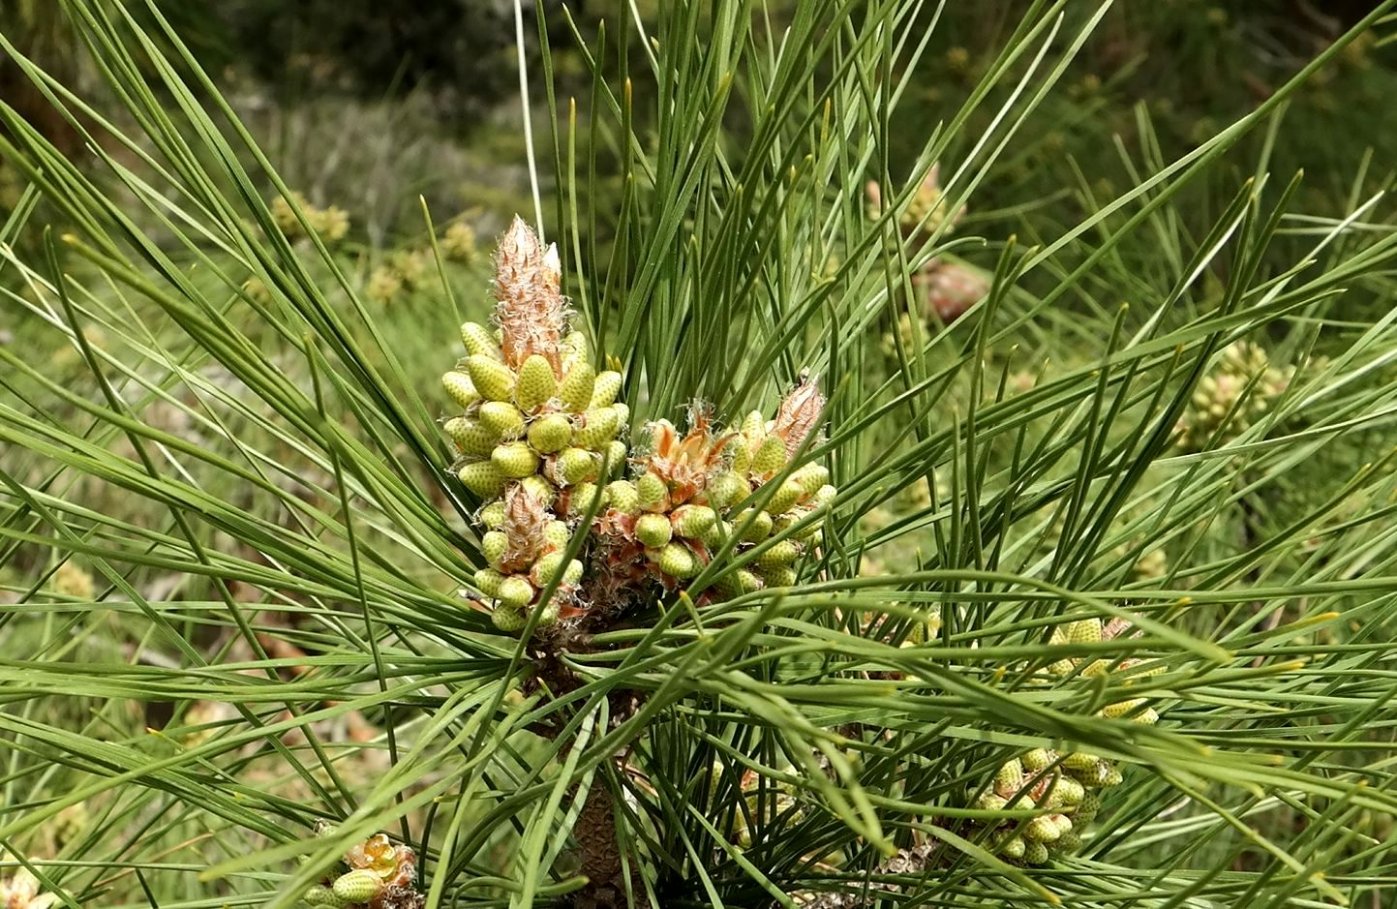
1041, 829
1066, 792
1035, 853
493, 379
572, 574
575, 347
599, 427
550, 433
509, 619
616, 453
515, 460
785, 497
780, 577
727, 489
769, 457
319, 895
536, 383
623, 497
693, 521
653, 530
1010, 778
754, 425
471, 437
459, 386
1086, 631
623, 413
739, 582
780, 554
482, 478
1121, 708
488, 580
479, 341
584, 494
576, 390
358, 886
540, 489
675, 560
557, 534
1037, 760
811, 478
546, 569
1013, 848
1081, 761
493, 546
754, 526
824, 496
501, 418
515, 590
605, 388
492, 515
574, 465
654, 494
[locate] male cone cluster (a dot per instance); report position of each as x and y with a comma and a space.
539, 427
539, 442
1235, 393
1063, 785
375, 874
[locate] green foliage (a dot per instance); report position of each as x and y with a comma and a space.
234, 548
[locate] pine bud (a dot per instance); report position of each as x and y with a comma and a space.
1010, 778
584, 496
1013, 848
1081, 761
1041, 829
536, 383
780, 554
488, 581
727, 489
654, 494
479, 341
824, 496
1086, 631
623, 413
550, 433
1037, 760
736, 583
780, 577
515, 460
509, 619
482, 478
677, 561
598, 428
605, 389
493, 546
769, 457
623, 497
616, 453
653, 530
754, 526
542, 490
811, 478
493, 379
546, 569
574, 465
1066, 791
575, 347
557, 535
693, 521
1121, 708
789, 493
578, 383
991, 801
492, 515
501, 418
471, 437
319, 895
460, 388
516, 591
754, 425
1035, 853
358, 886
